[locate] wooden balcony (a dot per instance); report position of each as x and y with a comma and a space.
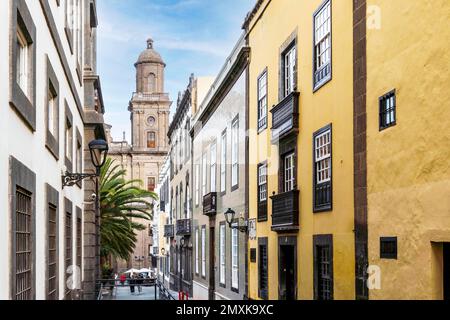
210, 204
285, 117
285, 211
169, 231
183, 227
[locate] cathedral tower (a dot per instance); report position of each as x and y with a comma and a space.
150, 105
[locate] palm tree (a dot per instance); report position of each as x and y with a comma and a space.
122, 204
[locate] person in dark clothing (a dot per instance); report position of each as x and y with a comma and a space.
132, 283
140, 281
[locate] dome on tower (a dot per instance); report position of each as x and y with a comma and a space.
149, 55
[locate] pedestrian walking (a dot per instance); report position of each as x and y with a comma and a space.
132, 283
123, 278
140, 280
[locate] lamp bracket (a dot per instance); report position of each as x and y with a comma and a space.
71, 179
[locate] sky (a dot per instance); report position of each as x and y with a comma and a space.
192, 36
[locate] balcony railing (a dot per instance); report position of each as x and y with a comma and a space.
169, 231
183, 227
285, 117
285, 211
210, 204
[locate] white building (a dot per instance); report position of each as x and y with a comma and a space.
51, 108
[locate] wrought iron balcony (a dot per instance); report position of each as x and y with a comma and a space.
169, 231
285, 117
183, 227
210, 204
285, 211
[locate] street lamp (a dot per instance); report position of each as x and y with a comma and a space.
163, 251
229, 217
98, 150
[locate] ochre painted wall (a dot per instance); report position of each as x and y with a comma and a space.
409, 164
333, 103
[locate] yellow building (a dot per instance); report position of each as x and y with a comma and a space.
408, 148
302, 244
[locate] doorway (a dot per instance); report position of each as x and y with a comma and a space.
287, 257
446, 275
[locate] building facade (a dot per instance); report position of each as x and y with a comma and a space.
179, 230
52, 108
301, 189
143, 159
406, 143
161, 219
220, 183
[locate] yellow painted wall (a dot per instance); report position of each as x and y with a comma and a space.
333, 103
409, 164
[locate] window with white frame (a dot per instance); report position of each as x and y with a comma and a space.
235, 153
22, 72
197, 183
322, 140
262, 101
69, 140
322, 45
213, 167
235, 259
196, 251
289, 172
223, 163
323, 157
289, 63
52, 113
203, 251
204, 174
262, 182
188, 201
222, 253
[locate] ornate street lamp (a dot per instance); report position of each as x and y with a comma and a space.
230, 217
163, 251
99, 151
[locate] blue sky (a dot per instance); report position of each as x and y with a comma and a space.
193, 36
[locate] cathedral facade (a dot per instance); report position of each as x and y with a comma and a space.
149, 114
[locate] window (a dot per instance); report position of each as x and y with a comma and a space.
197, 184
151, 184
79, 156
52, 253
222, 253
289, 67
223, 163
23, 71
323, 267
235, 259
388, 110
68, 245
213, 167
204, 251
234, 153
196, 252
188, 200
289, 172
322, 170
151, 140
22, 66
79, 238
69, 140
262, 101
52, 112
324, 272
70, 22
262, 192
388, 248
263, 278
23, 246
322, 45
204, 174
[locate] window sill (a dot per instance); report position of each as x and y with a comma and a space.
388, 126
322, 83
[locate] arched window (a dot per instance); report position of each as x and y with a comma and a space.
151, 139
151, 83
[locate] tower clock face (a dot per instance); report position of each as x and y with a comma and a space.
151, 121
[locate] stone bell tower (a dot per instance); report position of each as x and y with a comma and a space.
150, 105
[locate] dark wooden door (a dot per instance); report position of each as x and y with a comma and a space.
287, 272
